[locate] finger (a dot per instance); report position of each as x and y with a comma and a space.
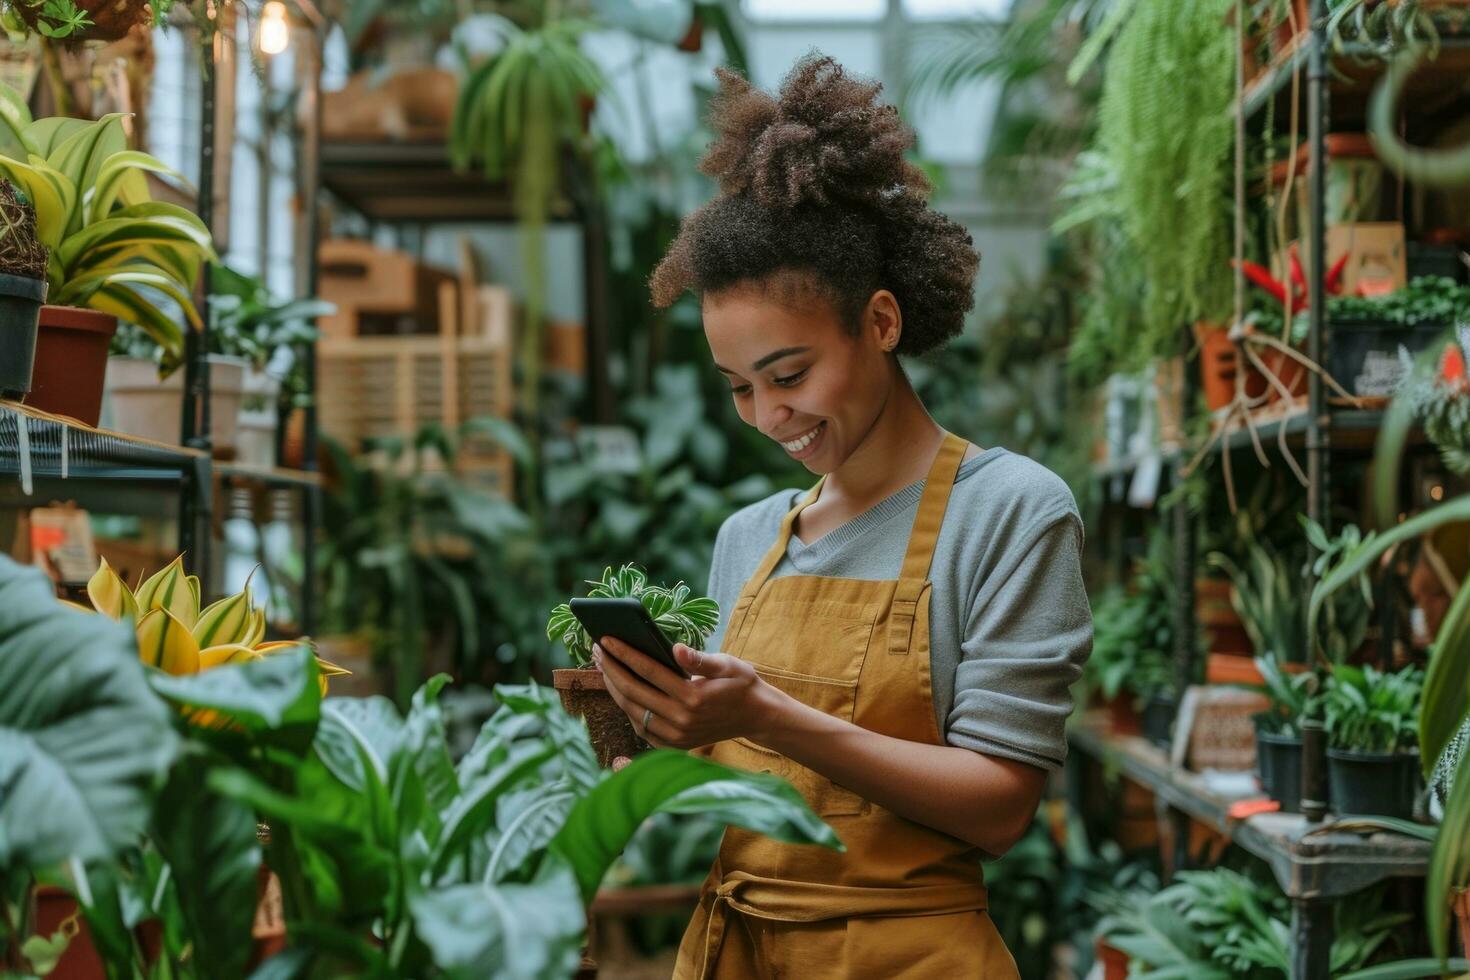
705, 664
636, 691
640, 663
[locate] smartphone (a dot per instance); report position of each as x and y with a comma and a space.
626, 619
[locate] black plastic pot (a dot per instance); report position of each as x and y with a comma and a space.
20, 310
1158, 719
1279, 764
1364, 355
1374, 783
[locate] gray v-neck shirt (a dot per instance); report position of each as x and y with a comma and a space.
1009, 621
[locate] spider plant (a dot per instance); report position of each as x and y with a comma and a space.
682, 616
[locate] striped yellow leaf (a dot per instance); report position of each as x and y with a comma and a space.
110, 594
78, 606
197, 591
226, 653
169, 589
225, 621
256, 632
166, 643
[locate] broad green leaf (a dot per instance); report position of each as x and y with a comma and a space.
15, 116
110, 595
45, 135
128, 306
473, 812
153, 222
276, 695
83, 742
80, 157
524, 932
214, 860
166, 643
604, 820
47, 191
121, 178
526, 822
289, 964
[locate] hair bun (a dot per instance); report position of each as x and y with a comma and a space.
825, 138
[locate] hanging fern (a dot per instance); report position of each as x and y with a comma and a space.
1166, 129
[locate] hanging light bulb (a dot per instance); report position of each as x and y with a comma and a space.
275, 30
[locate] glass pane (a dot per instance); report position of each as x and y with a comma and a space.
956, 9
839, 10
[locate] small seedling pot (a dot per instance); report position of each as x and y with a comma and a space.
1375, 783
584, 695
20, 312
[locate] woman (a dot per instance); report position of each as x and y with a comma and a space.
899, 640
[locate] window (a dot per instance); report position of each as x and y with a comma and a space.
833, 10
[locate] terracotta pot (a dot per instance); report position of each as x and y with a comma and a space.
1114, 961
1214, 611
80, 961
71, 362
1217, 365
584, 695
1122, 716
1288, 370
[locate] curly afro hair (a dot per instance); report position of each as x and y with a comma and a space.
815, 194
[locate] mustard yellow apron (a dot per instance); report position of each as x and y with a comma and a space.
903, 900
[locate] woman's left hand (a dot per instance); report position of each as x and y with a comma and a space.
723, 698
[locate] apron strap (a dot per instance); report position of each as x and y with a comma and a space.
922, 539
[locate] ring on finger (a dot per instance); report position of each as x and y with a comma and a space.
647, 714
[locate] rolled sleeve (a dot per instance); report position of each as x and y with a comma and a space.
1027, 633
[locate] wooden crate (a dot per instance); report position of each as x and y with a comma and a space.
379, 292
372, 387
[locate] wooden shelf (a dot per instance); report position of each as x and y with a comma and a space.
416, 183
1308, 860
268, 475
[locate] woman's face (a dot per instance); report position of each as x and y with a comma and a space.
797, 374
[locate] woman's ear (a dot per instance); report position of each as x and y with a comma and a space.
884, 320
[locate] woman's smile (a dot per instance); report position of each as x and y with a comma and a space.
806, 445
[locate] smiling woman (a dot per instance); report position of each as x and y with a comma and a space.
898, 641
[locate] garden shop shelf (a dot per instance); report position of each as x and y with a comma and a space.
1354, 71
1347, 428
36, 444
416, 183
1309, 862
267, 475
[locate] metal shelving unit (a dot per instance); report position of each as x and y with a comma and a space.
57, 457
1312, 863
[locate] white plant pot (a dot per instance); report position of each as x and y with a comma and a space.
144, 406
255, 444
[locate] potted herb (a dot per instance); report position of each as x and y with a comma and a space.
23, 262
114, 252
1372, 722
683, 617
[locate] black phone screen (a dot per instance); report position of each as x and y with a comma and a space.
626, 619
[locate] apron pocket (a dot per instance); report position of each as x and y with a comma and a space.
832, 697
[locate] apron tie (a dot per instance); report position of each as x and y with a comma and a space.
785, 900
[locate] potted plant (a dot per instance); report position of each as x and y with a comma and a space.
1372, 722
246, 322
114, 252
1368, 333
23, 262
75, 21
145, 391
1278, 730
179, 635
683, 617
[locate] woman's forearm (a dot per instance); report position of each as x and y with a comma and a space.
983, 800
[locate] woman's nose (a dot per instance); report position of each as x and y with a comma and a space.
771, 415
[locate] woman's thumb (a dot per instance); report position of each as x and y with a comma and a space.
692, 660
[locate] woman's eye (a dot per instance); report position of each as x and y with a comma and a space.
741, 390
791, 379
